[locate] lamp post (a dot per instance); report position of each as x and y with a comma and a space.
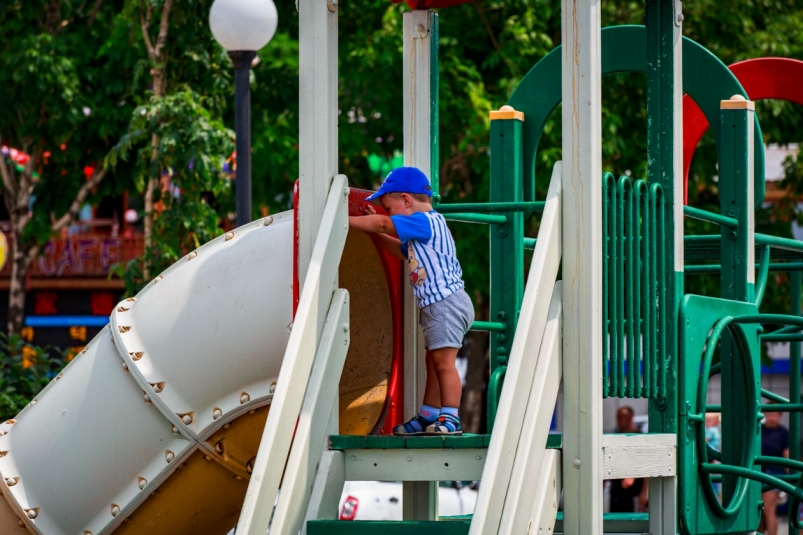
242, 27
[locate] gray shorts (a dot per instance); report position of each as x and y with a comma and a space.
447, 322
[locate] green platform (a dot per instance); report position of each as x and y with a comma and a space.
612, 522
384, 442
375, 527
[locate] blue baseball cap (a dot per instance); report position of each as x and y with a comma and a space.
404, 180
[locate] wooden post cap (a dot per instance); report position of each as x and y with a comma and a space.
506, 112
737, 102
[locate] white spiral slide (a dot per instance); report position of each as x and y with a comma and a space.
152, 427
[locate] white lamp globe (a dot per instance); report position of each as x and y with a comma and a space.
243, 24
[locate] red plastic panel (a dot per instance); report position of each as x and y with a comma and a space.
429, 4
762, 78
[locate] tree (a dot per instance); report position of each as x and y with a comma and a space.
63, 105
177, 133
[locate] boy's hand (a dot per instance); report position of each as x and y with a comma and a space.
370, 210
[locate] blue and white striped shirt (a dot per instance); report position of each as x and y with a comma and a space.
431, 256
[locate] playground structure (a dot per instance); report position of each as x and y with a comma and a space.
280, 354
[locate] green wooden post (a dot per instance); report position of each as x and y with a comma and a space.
507, 243
664, 143
434, 107
738, 272
794, 370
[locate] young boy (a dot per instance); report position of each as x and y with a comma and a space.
426, 244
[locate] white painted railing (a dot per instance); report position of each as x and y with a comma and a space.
320, 406
532, 362
311, 316
534, 489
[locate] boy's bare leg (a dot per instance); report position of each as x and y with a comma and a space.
432, 392
451, 389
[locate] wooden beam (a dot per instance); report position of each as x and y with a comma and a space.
415, 465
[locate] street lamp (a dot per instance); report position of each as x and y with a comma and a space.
242, 27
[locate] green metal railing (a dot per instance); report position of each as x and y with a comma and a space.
634, 302
491, 207
711, 217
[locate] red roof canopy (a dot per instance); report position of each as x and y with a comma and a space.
430, 4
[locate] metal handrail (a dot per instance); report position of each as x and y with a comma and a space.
489, 207
711, 217
487, 219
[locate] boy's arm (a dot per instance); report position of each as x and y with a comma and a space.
390, 244
376, 223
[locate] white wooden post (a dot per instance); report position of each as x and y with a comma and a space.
327, 488
299, 356
312, 433
535, 313
582, 267
532, 480
317, 118
419, 499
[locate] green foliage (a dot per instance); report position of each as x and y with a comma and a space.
24, 371
191, 150
64, 81
181, 138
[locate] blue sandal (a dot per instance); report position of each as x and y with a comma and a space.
412, 427
446, 425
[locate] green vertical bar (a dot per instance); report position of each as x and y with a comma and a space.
638, 287
660, 22
613, 288
434, 102
737, 263
654, 276
507, 241
606, 177
663, 320
647, 276
620, 283
794, 371
632, 299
